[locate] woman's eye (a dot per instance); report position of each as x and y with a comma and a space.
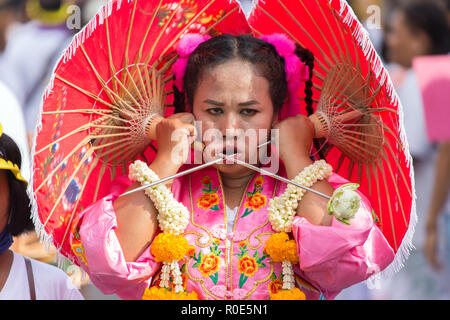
214, 111
248, 112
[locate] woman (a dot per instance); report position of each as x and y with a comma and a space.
417, 28
22, 278
230, 84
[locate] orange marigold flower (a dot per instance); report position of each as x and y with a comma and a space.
209, 265
256, 202
247, 265
191, 251
166, 247
293, 294
259, 181
208, 200
242, 244
155, 293
280, 248
206, 180
275, 286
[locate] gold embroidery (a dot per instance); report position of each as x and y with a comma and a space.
260, 227
201, 281
257, 283
197, 242
229, 277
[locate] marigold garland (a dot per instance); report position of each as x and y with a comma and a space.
280, 248
292, 294
166, 247
155, 293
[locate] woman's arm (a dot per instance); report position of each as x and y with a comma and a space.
296, 134
439, 196
136, 214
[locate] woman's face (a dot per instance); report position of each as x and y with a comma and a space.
236, 112
4, 199
402, 43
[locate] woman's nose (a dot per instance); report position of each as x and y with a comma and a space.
230, 125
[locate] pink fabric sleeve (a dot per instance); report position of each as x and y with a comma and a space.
338, 256
107, 267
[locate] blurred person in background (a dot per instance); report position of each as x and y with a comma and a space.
22, 278
436, 252
31, 53
416, 28
12, 13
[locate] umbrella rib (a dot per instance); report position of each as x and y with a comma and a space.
100, 176
347, 50
143, 88
77, 111
163, 29
79, 129
362, 134
127, 44
369, 181
389, 202
331, 30
383, 154
327, 59
377, 183
399, 167
112, 69
334, 57
138, 56
97, 75
120, 146
87, 93
135, 86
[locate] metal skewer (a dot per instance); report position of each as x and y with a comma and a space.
186, 172
265, 172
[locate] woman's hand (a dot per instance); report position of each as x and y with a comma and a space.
174, 136
296, 137
431, 246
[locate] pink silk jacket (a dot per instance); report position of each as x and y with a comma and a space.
233, 265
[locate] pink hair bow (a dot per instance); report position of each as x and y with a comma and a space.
296, 70
188, 43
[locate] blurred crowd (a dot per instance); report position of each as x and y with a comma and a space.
34, 33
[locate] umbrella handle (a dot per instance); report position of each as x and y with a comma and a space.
322, 123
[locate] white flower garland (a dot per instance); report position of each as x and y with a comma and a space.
282, 209
173, 216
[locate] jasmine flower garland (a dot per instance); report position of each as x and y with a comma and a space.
283, 209
168, 247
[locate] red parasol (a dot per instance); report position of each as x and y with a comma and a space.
353, 93
114, 74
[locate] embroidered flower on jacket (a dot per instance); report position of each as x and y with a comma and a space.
256, 202
209, 265
248, 266
210, 199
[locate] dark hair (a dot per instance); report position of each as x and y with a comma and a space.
428, 16
51, 5
19, 202
261, 54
